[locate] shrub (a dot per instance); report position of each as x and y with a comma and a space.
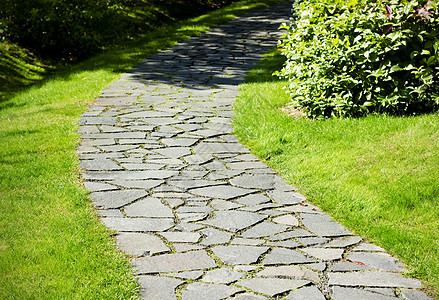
60, 28
348, 59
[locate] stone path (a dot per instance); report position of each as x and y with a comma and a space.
201, 217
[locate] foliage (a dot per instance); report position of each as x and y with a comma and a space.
348, 59
78, 28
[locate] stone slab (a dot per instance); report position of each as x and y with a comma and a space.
140, 244
203, 291
138, 224
158, 288
239, 254
234, 220
272, 286
175, 262
373, 279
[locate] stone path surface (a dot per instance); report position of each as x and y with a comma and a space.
200, 215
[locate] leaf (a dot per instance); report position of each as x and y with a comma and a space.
396, 68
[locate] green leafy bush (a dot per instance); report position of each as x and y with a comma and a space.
348, 59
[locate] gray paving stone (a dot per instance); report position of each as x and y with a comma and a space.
239, 255
162, 121
174, 202
308, 293
97, 121
382, 261
224, 204
99, 186
289, 220
198, 159
372, 279
284, 244
109, 213
158, 288
318, 266
106, 128
250, 242
264, 229
248, 296
149, 207
116, 199
290, 234
138, 224
148, 114
343, 242
202, 291
254, 181
197, 183
215, 148
179, 142
215, 165
137, 184
272, 286
175, 262
192, 275
99, 165
324, 254
194, 209
383, 291
341, 293
222, 192
255, 199
129, 175
184, 247
311, 241
193, 174
286, 256
368, 247
143, 166
322, 225
140, 244
222, 275
414, 295
298, 272
286, 198
261, 207
116, 101
346, 266
182, 237
174, 152
234, 220
214, 236
192, 217
247, 165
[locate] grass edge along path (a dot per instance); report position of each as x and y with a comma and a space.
52, 245
378, 176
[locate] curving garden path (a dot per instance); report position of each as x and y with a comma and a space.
200, 215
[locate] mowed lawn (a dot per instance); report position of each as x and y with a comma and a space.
378, 175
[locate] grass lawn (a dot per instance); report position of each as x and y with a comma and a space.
378, 175
52, 246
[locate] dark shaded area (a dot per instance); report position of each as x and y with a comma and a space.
75, 29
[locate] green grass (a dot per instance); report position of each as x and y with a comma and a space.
52, 245
378, 175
